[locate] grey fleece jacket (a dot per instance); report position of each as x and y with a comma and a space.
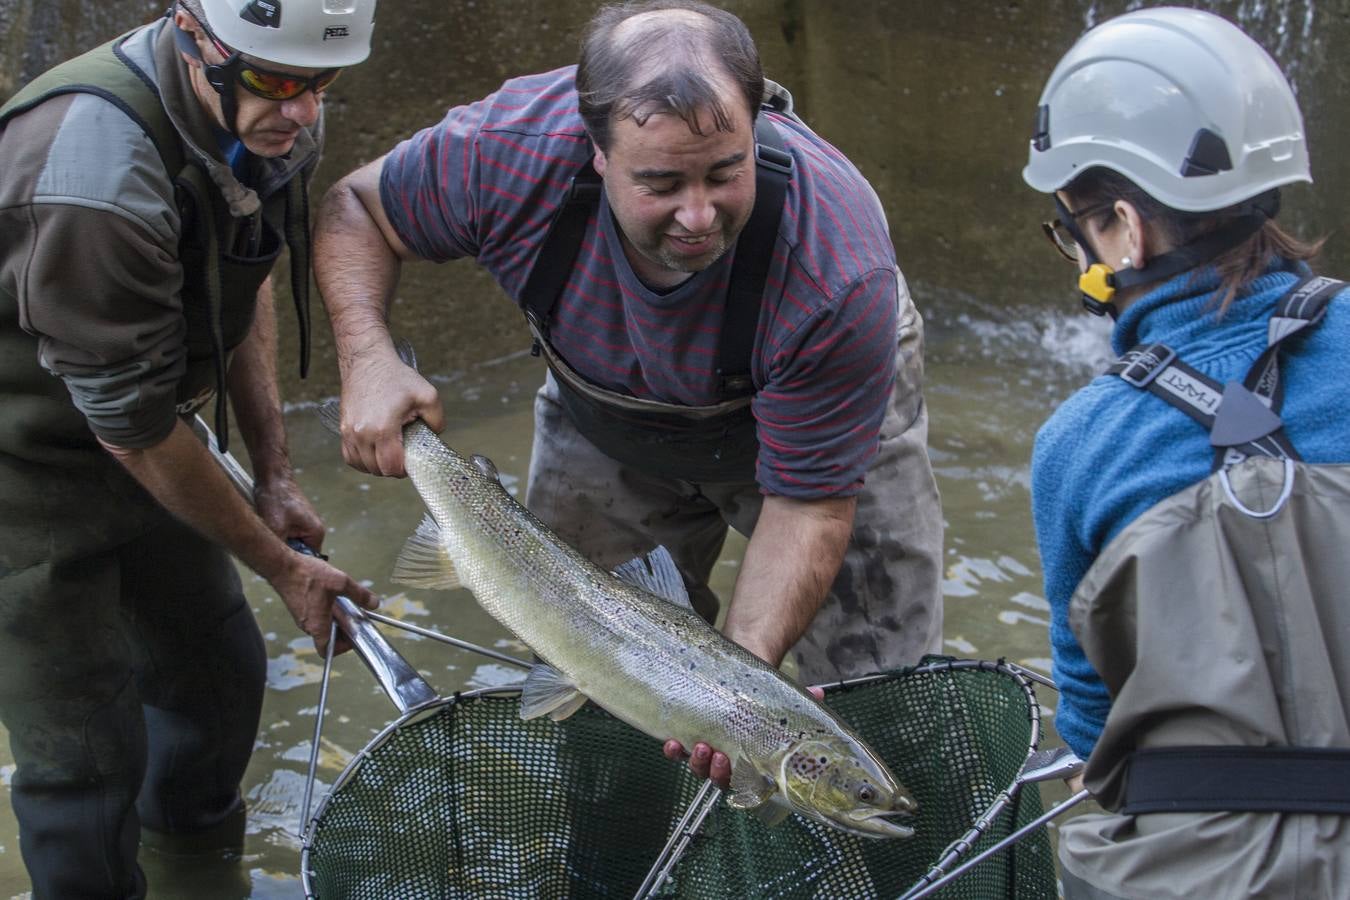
89, 238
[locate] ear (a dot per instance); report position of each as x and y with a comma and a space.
599, 162
188, 26
1137, 236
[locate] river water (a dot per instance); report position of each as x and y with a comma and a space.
935, 108
992, 379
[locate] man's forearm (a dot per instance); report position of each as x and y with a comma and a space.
357, 260
254, 396
789, 565
180, 473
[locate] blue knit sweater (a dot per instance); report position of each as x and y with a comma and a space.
1111, 451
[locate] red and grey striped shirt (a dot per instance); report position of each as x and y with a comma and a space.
485, 182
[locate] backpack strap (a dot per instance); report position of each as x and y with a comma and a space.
1242, 418
754, 252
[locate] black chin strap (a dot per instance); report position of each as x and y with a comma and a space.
1101, 282
220, 77
1196, 253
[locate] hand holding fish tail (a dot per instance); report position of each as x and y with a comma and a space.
381, 394
708, 762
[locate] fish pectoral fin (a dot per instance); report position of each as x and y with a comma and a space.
548, 692
749, 789
656, 572
424, 562
771, 813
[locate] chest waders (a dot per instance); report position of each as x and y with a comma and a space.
1218, 619
224, 260
715, 443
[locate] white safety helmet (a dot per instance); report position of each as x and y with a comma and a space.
311, 34
1181, 102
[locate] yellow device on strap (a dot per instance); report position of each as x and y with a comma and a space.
1098, 282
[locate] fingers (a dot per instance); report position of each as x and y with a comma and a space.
373, 449
817, 692
704, 762
719, 772
359, 595
378, 399
289, 514
433, 414
309, 587
341, 645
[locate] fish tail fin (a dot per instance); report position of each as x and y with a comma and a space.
330, 414
406, 353
424, 562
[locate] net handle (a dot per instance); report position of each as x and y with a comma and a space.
926, 889
1040, 765
400, 681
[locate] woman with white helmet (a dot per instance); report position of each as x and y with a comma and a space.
1192, 503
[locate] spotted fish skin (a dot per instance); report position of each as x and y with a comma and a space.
635, 647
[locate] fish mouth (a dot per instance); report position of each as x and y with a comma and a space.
881, 822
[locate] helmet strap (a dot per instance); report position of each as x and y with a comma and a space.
221, 77
1099, 284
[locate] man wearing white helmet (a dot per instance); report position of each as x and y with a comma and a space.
1191, 503
149, 186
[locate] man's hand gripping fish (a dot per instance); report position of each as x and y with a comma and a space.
631, 642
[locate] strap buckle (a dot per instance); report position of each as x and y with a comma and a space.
1147, 364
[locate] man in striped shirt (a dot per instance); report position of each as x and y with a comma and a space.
822, 461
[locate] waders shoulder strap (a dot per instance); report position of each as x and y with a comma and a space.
754, 252
1242, 418
107, 72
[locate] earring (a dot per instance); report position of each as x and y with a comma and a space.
1126, 262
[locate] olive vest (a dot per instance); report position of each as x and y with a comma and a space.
1220, 622
224, 262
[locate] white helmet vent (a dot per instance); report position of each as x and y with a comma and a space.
261, 12
1208, 155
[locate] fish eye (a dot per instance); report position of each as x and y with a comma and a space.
866, 793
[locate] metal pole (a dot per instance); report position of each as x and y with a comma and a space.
446, 639
1006, 842
318, 729
400, 681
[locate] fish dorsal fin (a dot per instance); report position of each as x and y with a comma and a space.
547, 691
749, 788
404, 348
656, 572
487, 467
424, 562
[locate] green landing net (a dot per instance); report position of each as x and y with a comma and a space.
466, 800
